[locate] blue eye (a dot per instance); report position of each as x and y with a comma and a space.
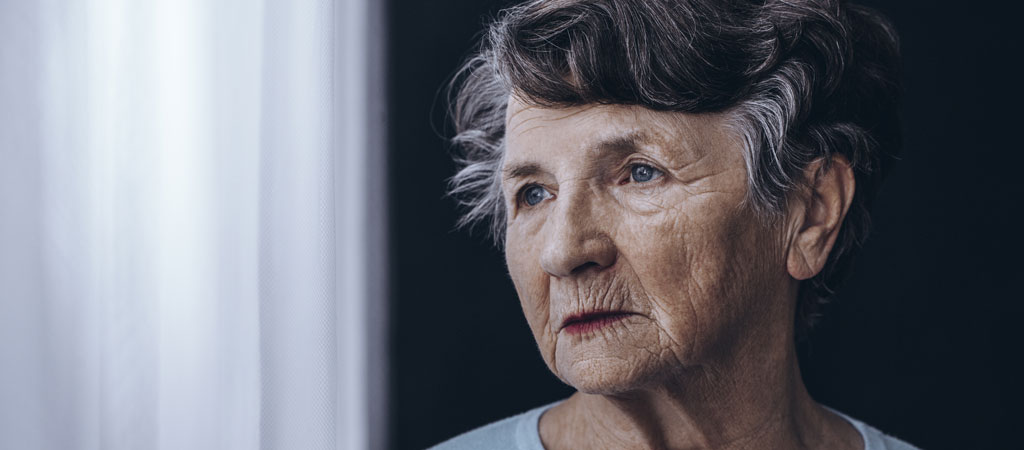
534, 195
643, 173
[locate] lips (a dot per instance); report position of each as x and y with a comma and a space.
591, 321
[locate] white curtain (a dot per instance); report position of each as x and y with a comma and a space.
191, 225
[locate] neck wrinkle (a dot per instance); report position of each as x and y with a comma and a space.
727, 407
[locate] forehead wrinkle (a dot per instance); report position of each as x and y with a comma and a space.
516, 107
676, 140
539, 125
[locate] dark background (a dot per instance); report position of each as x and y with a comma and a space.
923, 341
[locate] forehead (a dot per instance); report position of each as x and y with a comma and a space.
534, 132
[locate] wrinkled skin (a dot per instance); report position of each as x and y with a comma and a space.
706, 359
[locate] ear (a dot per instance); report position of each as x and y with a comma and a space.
818, 214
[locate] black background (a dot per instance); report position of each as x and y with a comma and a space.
923, 341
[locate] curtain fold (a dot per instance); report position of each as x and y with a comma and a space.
170, 244
297, 257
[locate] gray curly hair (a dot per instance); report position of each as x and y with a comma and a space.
800, 80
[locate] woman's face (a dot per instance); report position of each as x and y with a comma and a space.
630, 245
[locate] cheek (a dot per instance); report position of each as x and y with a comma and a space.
688, 260
658, 255
531, 285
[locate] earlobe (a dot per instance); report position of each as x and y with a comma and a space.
818, 216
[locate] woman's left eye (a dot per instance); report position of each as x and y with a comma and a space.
642, 173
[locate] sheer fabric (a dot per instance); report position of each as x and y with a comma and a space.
177, 267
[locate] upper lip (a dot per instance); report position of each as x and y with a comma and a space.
591, 315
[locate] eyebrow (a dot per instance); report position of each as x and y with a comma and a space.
614, 147
521, 170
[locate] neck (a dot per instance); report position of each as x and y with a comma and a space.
755, 401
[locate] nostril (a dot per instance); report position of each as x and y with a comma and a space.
583, 267
573, 250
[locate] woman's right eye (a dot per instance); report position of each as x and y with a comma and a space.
534, 194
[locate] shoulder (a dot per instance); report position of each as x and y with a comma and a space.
518, 432
877, 440
874, 439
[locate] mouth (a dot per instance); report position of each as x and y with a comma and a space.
591, 321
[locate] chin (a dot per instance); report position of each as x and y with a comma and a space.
607, 375
622, 358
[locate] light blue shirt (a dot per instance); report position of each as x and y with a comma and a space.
521, 432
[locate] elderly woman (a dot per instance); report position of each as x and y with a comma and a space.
678, 185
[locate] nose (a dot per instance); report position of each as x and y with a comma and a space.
576, 239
